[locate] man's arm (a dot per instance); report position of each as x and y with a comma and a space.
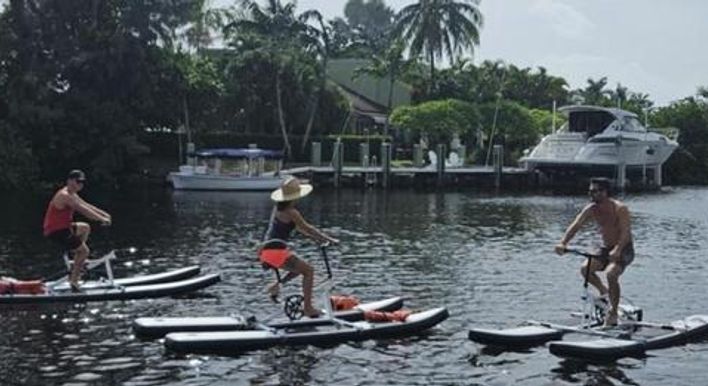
573, 228
95, 209
80, 206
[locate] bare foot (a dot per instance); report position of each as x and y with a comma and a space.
74, 287
610, 319
311, 313
273, 291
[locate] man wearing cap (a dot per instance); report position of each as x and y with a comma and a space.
275, 254
72, 236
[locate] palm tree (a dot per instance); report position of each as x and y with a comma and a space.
391, 65
324, 48
437, 27
285, 36
595, 92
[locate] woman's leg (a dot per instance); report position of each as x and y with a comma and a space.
298, 266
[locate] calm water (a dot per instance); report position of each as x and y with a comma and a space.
487, 258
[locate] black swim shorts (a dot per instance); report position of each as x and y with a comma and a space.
66, 239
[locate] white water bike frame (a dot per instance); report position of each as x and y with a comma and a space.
325, 286
589, 305
105, 261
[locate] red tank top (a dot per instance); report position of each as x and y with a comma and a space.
57, 219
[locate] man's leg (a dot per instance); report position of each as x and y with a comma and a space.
82, 230
593, 279
614, 271
80, 255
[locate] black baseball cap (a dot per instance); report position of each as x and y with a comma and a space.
76, 174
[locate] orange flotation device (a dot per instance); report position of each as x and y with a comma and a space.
383, 316
343, 303
10, 286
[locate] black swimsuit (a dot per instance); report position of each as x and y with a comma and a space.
278, 233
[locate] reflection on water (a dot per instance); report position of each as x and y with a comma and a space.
487, 258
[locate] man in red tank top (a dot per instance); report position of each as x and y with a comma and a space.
60, 228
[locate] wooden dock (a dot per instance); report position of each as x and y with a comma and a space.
475, 176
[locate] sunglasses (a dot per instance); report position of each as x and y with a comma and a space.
593, 191
80, 181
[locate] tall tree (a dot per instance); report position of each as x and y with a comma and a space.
285, 37
324, 48
83, 77
439, 27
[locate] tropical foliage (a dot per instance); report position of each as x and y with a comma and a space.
434, 28
439, 119
84, 83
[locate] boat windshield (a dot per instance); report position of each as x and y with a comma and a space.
243, 167
632, 124
590, 122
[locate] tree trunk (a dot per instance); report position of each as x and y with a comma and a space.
185, 110
390, 103
432, 72
315, 105
281, 118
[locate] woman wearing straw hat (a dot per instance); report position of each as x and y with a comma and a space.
274, 254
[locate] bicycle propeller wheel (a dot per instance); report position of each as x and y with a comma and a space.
293, 307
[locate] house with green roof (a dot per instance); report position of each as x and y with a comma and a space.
367, 94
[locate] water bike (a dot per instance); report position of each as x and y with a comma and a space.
106, 287
235, 335
534, 333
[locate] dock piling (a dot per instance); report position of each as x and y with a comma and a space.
364, 154
498, 159
417, 156
386, 164
441, 163
316, 154
338, 162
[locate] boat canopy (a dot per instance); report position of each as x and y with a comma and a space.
594, 120
238, 153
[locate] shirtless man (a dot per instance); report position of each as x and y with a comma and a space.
72, 236
612, 218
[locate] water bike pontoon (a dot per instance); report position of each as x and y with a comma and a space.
150, 328
317, 332
535, 333
238, 335
169, 283
633, 339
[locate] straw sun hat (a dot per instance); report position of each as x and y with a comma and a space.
291, 189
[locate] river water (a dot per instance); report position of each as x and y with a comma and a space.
488, 258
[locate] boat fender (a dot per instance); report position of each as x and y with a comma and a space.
343, 302
10, 286
383, 316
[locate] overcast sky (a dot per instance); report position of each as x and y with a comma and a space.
654, 46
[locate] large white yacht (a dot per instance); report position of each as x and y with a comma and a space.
599, 138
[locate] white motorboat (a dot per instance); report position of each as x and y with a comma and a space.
230, 169
599, 138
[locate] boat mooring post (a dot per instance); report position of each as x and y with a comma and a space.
316, 154
338, 162
657, 176
417, 156
386, 164
364, 154
498, 158
441, 163
621, 180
